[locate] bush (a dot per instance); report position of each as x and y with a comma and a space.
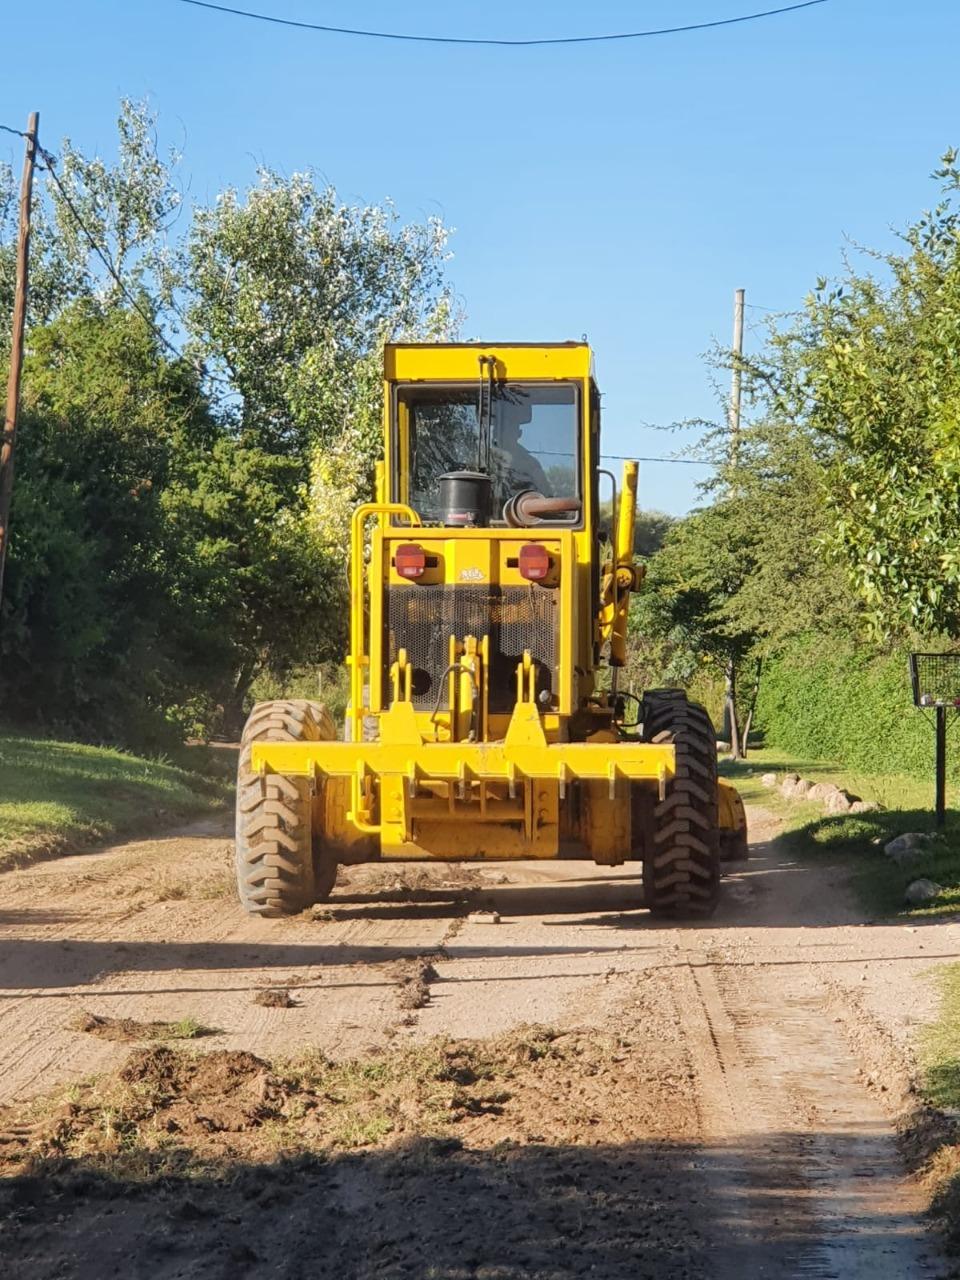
824, 700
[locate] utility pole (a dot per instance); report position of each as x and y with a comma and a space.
731, 730
735, 385
16, 342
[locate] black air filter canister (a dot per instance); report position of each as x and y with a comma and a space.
465, 498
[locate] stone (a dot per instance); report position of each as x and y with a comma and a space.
820, 790
768, 780
920, 891
837, 802
789, 784
864, 806
483, 917
908, 842
802, 788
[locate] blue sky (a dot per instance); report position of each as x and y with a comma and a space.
618, 190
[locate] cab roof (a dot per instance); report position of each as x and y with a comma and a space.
459, 361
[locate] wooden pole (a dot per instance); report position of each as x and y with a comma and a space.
18, 326
735, 384
730, 727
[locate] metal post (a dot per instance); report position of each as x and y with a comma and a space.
16, 343
941, 765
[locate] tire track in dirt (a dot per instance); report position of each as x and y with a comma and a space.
812, 1153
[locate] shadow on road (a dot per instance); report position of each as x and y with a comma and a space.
432, 1210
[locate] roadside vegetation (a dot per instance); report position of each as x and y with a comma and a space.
827, 545
197, 424
64, 795
933, 1135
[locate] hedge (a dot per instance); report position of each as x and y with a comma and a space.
828, 700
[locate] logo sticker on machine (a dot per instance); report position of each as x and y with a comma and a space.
472, 575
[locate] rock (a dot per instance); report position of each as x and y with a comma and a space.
912, 846
768, 780
802, 788
483, 917
907, 857
838, 802
820, 790
789, 784
920, 891
864, 806
908, 842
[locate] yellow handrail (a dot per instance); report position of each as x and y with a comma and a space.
358, 596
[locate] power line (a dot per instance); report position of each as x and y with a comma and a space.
396, 35
627, 457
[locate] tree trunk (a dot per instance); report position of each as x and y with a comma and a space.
234, 711
753, 703
731, 727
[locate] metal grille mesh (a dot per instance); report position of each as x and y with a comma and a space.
421, 620
935, 677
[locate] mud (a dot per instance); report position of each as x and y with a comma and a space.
573, 1090
413, 979
275, 998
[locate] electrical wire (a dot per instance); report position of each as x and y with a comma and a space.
396, 35
627, 457
50, 161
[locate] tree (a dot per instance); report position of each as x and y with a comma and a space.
689, 606
879, 362
89, 636
292, 296
129, 208
178, 525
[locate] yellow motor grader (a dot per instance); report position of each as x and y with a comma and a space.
486, 599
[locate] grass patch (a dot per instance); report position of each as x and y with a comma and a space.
930, 1138
907, 805
130, 1029
940, 1047
59, 795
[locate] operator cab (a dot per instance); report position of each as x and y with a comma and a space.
464, 454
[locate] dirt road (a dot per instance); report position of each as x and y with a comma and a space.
743, 1128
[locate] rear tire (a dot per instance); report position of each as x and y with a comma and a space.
681, 865
281, 867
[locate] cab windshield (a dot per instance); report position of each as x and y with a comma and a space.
533, 441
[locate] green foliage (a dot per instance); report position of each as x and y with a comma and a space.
90, 641
876, 378
650, 530
685, 624
823, 699
835, 511
940, 1045
291, 297
178, 524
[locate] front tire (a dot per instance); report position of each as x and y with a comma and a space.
280, 865
681, 866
